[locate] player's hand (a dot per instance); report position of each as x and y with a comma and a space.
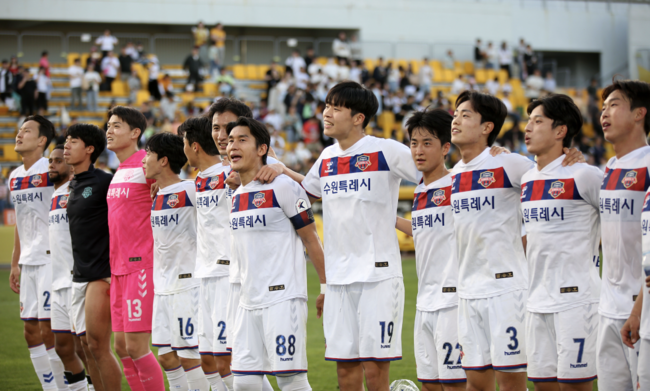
495, 150
630, 330
573, 156
320, 302
154, 190
269, 172
233, 181
14, 279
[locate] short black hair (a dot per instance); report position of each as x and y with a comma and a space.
90, 135
561, 109
199, 130
355, 97
637, 92
258, 131
232, 105
170, 146
435, 121
134, 118
489, 107
45, 127
59, 146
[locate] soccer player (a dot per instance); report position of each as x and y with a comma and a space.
88, 220
31, 270
66, 343
626, 123
437, 352
562, 219
270, 224
129, 214
173, 221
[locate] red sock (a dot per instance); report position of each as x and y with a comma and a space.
150, 373
131, 374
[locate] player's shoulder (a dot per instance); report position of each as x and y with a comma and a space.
514, 159
586, 171
387, 144
103, 176
282, 182
18, 171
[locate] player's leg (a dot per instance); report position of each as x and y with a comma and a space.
577, 330
644, 364
426, 355
350, 375
249, 356
206, 328
444, 328
98, 335
184, 337
78, 318
248, 382
64, 342
161, 336
297, 382
474, 340
542, 352
220, 330
174, 371
377, 375
614, 359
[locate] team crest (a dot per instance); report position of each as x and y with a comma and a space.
214, 182
329, 167
127, 176
438, 197
363, 162
486, 179
557, 188
88, 191
172, 201
258, 199
37, 180
63, 201
629, 179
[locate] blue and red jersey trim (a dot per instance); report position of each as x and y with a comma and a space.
254, 200
432, 198
550, 189
171, 201
302, 219
59, 202
542, 379
364, 162
634, 179
579, 380
31, 182
211, 183
495, 178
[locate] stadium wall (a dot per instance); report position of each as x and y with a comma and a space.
639, 46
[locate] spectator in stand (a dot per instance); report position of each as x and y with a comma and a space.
598, 152
95, 59
311, 132
593, 111
310, 57
201, 35
344, 70
125, 63
491, 56
459, 85
13, 65
166, 85
355, 72
277, 142
425, 76
44, 87
44, 62
4, 198
168, 106
521, 49
193, 66
479, 55
505, 58
534, 85
365, 73
106, 42
356, 53
295, 62
27, 90
331, 69
90, 84
226, 83
134, 85
530, 61
393, 77
549, 83
272, 77
6, 81
341, 47
274, 119
142, 55
302, 78
380, 73
492, 86
449, 61
132, 51
154, 70
218, 49
110, 69
76, 73
292, 124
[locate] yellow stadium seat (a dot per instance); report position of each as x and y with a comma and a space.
210, 89
261, 71
251, 71
72, 57
448, 75
403, 63
588, 130
490, 74
84, 59
435, 64
503, 76
8, 153
480, 76
415, 66
469, 68
187, 97
438, 75
370, 64
386, 121
119, 88
141, 97
321, 60
238, 71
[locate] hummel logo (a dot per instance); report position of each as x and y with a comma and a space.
48, 377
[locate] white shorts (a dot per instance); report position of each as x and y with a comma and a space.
644, 363
213, 305
36, 292
491, 332
271, 340
174, 325
61, 311
363, 321
437, 351
78, 307
562, 345
617, 364
233, 303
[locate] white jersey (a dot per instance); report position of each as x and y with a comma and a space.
435, 245
31, 194
644, 330
60, 240
360, 190
173, 221
264, 221
560, 208
622, 192
487, 218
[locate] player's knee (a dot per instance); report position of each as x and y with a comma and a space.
297, 382
223, 364
32, 333
120, 348
168, 360
63, 348
248, 383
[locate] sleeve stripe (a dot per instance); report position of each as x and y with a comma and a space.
302, 219
309, 194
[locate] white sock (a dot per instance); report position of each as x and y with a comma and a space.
57, 370
266, 385
228, 381
215, 382
42, 367
177, 379
196, 379
91, 387
77, 382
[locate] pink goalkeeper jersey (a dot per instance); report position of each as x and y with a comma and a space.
129, 213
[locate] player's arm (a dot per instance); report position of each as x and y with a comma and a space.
404, 225
312, 243
573, 156
14, 275
496, 150
630, 330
